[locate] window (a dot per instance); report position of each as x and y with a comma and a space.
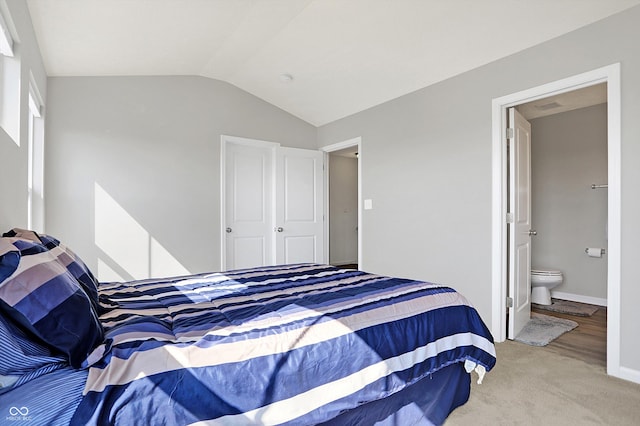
6, 41
35, 179
9, 78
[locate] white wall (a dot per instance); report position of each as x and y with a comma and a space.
13, 157
133, 167
428, 167
343, 210
568, 154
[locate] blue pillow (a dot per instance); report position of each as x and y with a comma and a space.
67, 258
43, 298
10, 260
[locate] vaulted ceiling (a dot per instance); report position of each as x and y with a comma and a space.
320, 60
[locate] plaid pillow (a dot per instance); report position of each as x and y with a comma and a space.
67, 258
10, 258
44, 298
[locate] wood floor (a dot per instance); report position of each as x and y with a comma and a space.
348, 266
587, 342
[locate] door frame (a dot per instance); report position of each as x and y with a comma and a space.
357, 142
611, 75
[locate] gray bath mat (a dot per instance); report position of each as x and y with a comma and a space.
542, 329
569, 307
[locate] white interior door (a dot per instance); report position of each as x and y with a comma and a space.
299, 226
248, 206
519, 223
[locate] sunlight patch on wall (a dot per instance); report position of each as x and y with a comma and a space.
106, 274
128, 244
162, 263
120, 236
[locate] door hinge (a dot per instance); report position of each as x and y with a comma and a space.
509, 302
510, 133
509, 217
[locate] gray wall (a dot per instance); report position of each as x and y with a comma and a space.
343, 210
152, 145
427, 167
568, 154
13, 158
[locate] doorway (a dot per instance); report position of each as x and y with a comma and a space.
611, 76
343, 207
569, 191
343, 229
557, 160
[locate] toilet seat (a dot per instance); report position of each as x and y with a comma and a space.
545, 273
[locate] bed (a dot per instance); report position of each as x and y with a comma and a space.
300, 344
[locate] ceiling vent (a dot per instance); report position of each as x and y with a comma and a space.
550, 105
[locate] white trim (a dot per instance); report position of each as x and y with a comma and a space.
332, 148
611, 75
36, 104
627, 373
614, 203
579, 298
248, 142
223, 196
35, 163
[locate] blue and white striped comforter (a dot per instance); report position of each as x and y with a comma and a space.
295, 344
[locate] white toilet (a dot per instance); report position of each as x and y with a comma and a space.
542, 282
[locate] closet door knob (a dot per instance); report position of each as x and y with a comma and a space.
228, 230
532, 232
279, 229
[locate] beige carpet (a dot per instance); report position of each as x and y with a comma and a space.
533, 386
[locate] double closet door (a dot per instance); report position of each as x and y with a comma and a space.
273, 205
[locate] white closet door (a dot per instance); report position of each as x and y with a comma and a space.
249, 206
299, 220
273, 204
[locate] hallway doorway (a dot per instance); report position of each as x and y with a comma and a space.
343, 183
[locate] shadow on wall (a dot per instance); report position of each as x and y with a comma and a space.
126, 251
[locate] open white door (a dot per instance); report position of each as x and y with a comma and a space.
299, 226
519, 223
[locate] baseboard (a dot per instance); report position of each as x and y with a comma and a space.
579, 298
629, 374
344, 262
